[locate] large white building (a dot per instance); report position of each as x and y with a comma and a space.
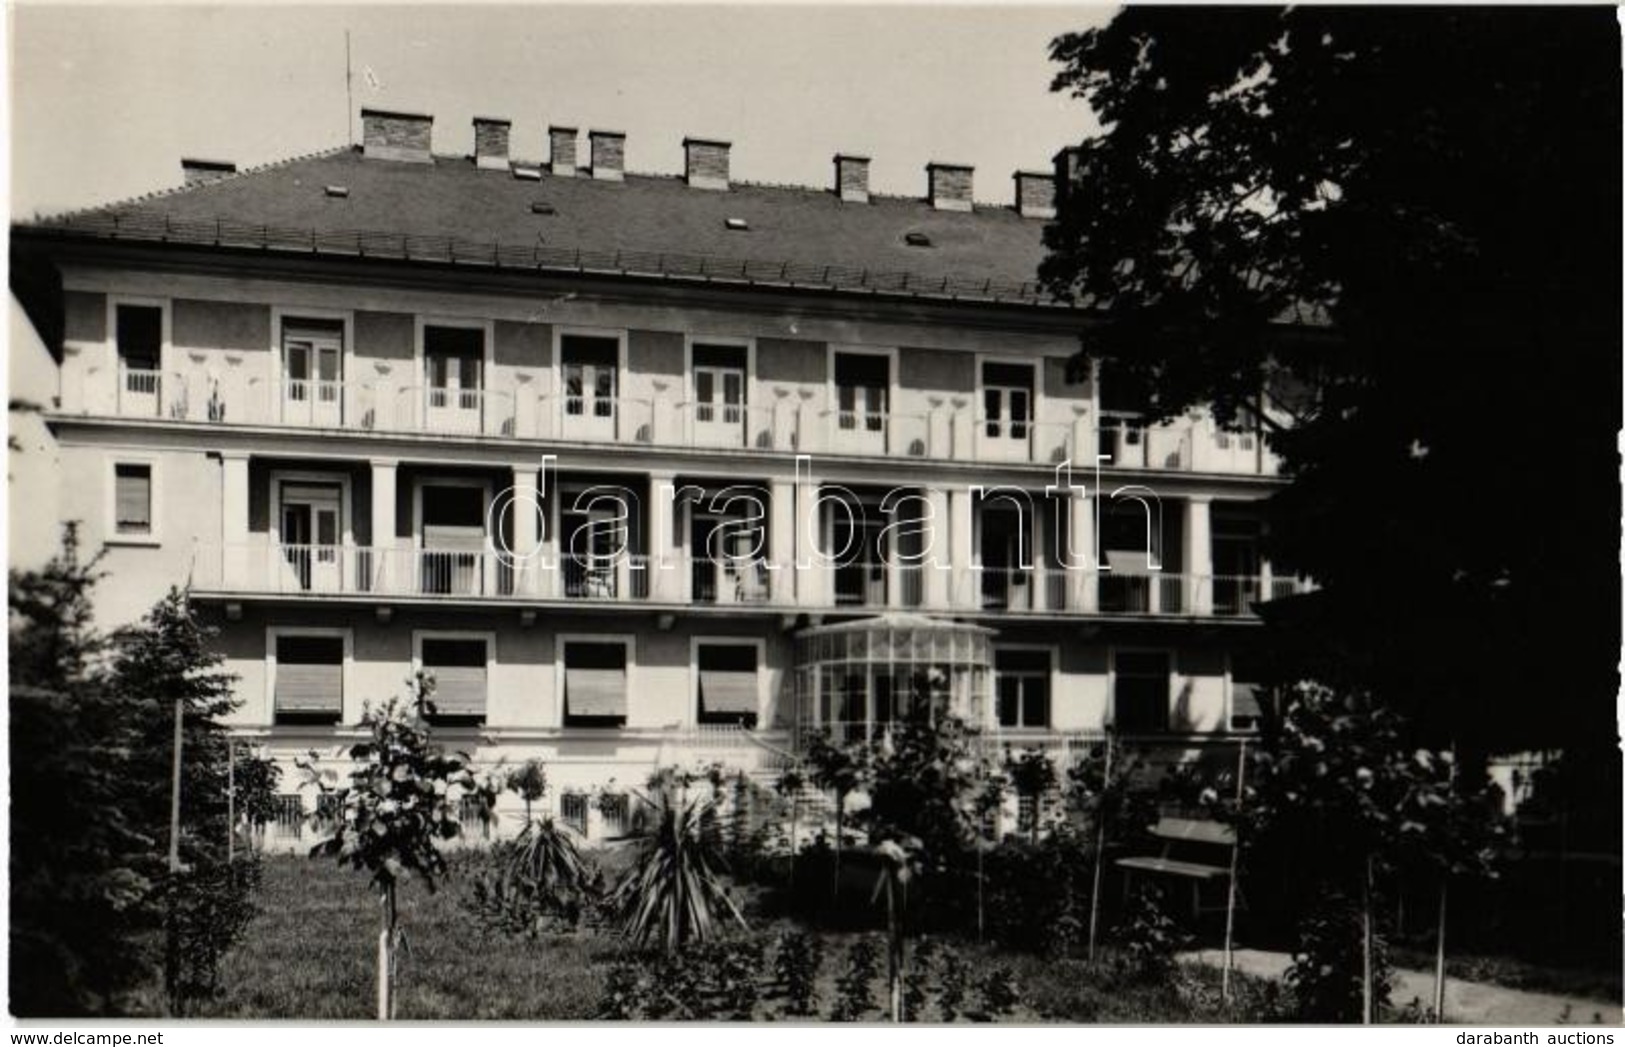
648, 470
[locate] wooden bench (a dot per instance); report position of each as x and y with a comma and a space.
1193, 838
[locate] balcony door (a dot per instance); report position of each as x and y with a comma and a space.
311, 536
454, 379
138, 332
453, 560
588, 368
1007, 411
862, 407
594, 552
1007, 546
313, 373
719, 396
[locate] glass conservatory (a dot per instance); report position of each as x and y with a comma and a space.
855, 679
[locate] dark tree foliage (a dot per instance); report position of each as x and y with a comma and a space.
1405, 226
166, 660
97, 916
83, 861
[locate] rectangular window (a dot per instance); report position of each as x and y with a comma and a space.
1023, 687
132, 499
862, 384
139, 332
458, 665
1246, 672
313, 358
454, 359
719, 384
589, 366
1141, 692
595, 684
573, 811
1007, 399
728, 693
309, 685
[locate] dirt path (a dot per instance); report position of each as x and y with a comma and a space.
1465, 1003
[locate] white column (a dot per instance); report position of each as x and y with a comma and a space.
1198, 555
965, 593
526, 536
939, 564
234, 518
781, 541
812, 572
667, 570
1086, 564
386, 570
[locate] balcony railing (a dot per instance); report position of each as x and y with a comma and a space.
319, 570
146, 393
778, 426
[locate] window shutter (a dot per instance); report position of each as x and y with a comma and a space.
728, 691
459, 690
595, 692
133, 498
309, 688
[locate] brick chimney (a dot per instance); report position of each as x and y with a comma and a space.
1035, 194
1066, 171
852, 178
491, 142
562, 141
202, 172
950, 186
608, 155
705, 163
387, 135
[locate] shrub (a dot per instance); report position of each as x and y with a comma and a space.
795, 966
1149, 937
536, 882
854, 989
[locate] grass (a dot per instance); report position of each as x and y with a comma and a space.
310, 954
1512, 973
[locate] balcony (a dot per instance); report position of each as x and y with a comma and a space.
345, 570
780, 426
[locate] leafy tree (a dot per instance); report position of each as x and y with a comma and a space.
84, 863
842, 770
529, 781
1032, 775
925, 779
1352, 803
1406, 229
401, 801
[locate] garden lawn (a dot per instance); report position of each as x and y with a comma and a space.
311, 954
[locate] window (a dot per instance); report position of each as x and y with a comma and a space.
1236, 539
588, 365
459, 665
453, 359
308, 677
595, 685
1023, 681
132, 500
139, 331
1140, 691
313, 358
1246, 672
1007, 400
862, 383
719, 384
727, 678
573, 811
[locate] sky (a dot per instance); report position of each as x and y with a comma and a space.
106, 100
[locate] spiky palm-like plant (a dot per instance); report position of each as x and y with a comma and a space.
674, 892
540, 880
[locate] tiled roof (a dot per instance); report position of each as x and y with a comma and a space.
648, 225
